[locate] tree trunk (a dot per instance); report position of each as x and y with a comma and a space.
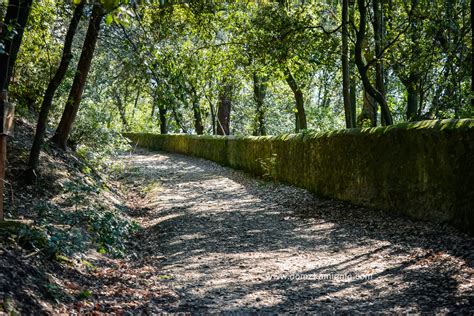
16, 17
224, 109
198, 127
121, 108
153, 111
50, 92
135, 104
379, 68
421, 100
346, 93
299, 101
162, 111
377, 95
352, 68
163, 122
197, 118
259, 93
177, 118
213, 117
353, 97
412, 101
368, 112
72, 105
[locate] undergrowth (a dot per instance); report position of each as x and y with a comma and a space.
78, 216
77, 224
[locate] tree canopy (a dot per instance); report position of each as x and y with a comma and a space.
243, 67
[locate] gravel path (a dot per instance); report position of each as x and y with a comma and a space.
226, 242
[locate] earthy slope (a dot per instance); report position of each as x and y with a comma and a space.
63, 233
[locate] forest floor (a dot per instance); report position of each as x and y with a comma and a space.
213, 239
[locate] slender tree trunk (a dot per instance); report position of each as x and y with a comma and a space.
379, 68
198, 127
368, 112
135, 104
435, 104
197, 118
353, 96
121, 108
162, 111
224, 109
50, 92
411, 82
472, 56
163, 122
421, 100
259, 93
352, 68
153, 111
325, 102
299, 101
16, 17
377, 95
346, 93
213, 117
177, 119
72, 105
412, 101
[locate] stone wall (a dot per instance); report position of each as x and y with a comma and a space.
424, 170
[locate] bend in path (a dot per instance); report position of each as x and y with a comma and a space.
231, 243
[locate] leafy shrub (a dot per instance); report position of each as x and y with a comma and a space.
94, 137
68, 232
109, 230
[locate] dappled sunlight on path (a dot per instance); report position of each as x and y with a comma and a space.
231, 243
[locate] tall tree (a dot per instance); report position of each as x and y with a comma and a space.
299, 101
72, 105
259, 93
224, 109
346, 93
379, 68
352, 68
162, 110
198, 127
11, 34
50, 92
363, 68
121, 106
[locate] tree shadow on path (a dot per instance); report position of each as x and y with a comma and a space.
232, 243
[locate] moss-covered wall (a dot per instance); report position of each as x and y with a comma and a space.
424, 170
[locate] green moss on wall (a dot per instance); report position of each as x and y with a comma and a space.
424, 169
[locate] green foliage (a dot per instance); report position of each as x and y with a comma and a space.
174, 58
109, 230
85, 294
93, 137
62, 230
39, 54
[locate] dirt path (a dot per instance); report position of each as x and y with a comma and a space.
224, 242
